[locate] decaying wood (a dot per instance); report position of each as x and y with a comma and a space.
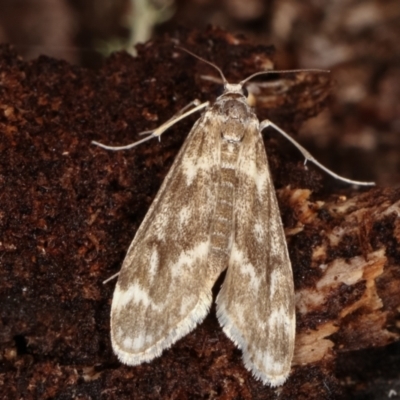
349, 305
69, 211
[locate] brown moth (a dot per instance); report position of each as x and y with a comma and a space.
216, 210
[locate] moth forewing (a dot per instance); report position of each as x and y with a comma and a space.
164, 287
256, 303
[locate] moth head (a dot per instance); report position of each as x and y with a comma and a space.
232, 88
235, 88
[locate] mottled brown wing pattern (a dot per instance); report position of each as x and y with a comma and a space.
256, 303
217, 208
164, 287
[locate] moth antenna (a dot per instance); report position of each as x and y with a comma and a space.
207, 62
284, 71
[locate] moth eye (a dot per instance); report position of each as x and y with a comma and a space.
219, 91
245, 92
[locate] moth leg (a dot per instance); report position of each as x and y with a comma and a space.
308, 157
160, 130
195, 103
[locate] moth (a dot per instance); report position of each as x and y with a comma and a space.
216, 210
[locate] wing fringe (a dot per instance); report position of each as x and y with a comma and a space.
195, 317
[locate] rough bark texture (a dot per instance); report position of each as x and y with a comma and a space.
69, 211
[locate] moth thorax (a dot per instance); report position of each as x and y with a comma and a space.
234, 109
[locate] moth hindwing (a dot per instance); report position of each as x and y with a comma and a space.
215, 210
